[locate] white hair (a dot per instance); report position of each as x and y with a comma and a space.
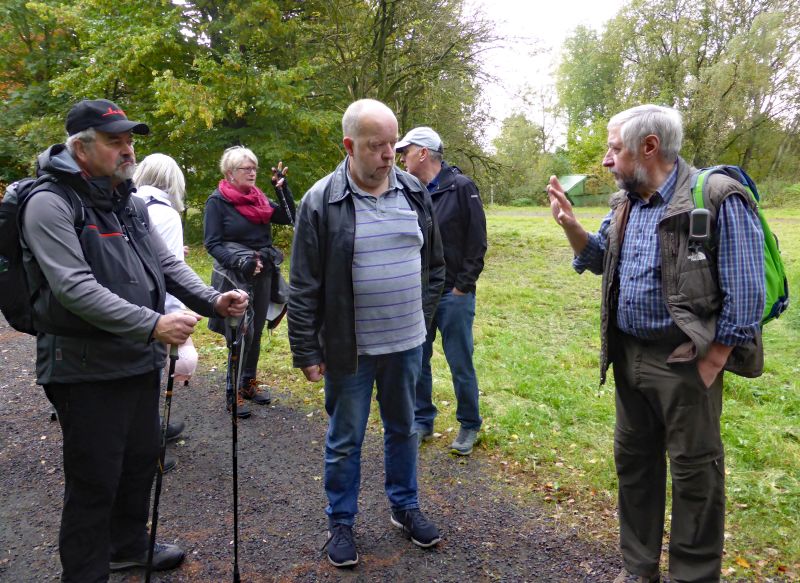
162, 172
86, 136
636, 123
233, 157
351, 120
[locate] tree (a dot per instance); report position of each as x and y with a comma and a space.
731, 68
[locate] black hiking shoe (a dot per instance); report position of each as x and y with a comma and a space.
626, 576
164, 557
422, 531
169, 464
341, 546
174, 429
242, 410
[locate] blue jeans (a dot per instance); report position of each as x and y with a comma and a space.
453, 318
347, 401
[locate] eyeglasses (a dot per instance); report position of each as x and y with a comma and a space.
248, 169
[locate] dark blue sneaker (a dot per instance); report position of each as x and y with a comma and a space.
341, 546
422, 531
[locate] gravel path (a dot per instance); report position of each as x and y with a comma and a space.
488, 534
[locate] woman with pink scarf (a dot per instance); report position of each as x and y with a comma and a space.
238, 235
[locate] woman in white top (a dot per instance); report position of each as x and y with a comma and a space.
160, 183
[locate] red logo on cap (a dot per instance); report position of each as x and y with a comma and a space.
113, 112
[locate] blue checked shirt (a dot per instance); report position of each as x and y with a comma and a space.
641, 310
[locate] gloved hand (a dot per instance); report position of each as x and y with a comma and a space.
247, 265
279, 175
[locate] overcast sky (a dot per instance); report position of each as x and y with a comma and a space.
532, 26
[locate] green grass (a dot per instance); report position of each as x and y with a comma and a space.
536, 353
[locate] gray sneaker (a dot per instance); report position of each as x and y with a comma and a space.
464, 442
424, 435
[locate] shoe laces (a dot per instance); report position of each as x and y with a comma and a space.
341, 533
414, 516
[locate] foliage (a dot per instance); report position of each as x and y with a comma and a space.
274, 75
731, 68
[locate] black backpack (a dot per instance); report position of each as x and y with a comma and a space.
16, 299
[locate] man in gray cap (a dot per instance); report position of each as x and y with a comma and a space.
98, 278
459, 212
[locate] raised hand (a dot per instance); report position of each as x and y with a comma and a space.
279, 174
559, 204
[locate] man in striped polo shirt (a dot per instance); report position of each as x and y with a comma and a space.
367, 273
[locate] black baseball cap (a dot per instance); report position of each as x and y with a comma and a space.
102, 115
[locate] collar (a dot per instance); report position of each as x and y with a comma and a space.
359, 191
663, 193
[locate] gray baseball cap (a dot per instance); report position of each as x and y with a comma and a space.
422, 136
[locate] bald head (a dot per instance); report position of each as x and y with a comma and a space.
361, 111
370, 133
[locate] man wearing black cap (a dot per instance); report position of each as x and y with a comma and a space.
459, 212
98, 278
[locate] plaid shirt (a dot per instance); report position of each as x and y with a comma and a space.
641, 310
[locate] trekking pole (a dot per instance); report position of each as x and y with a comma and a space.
234, 374
279, 175
173, 357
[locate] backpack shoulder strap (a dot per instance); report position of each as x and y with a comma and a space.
153, 201
52, 184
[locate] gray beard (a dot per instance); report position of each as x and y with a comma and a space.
123, 173
634, 182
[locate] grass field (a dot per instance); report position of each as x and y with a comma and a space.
549, 421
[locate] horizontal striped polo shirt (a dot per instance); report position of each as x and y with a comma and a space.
387, 286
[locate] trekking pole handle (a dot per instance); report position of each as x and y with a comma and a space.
173, 351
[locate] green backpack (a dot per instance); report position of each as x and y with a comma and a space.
777, 285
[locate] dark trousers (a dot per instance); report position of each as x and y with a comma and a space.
666, 409
260, 295
110, 434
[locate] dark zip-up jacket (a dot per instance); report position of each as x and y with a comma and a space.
99, 292
462, 223
321, 305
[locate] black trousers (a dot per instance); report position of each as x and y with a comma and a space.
260, 294
666, 410
111, 446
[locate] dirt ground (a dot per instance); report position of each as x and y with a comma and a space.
488, 534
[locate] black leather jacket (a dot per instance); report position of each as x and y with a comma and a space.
321, 313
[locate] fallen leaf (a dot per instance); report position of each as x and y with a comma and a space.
742, 563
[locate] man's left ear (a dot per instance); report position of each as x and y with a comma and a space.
650, 146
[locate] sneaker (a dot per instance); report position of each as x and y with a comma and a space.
242, 410
341, 546
255, 392
422, 531
174, 429
626, 576
424, 435
164, 557
464, 442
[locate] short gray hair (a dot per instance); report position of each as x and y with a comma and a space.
233, 157
641, 121
86, 136
351, 120
162, 172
